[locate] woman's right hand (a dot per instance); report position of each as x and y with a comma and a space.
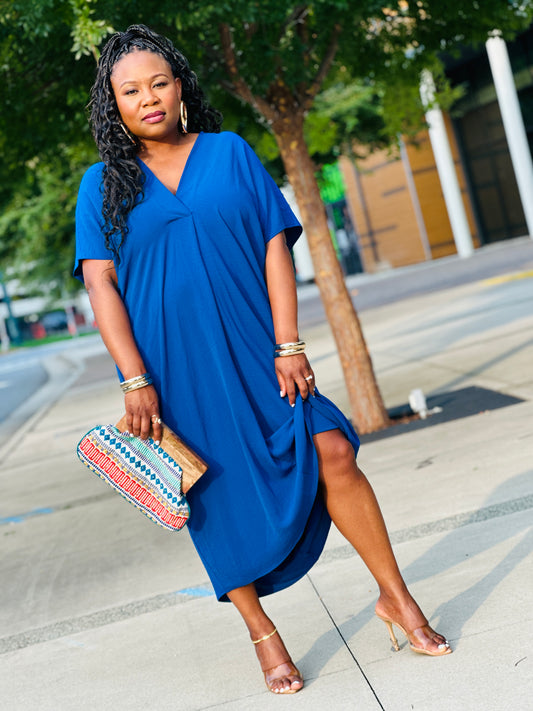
142, 405
142, 413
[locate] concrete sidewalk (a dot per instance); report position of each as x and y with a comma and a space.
103, 610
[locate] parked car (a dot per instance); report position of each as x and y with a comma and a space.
54, 321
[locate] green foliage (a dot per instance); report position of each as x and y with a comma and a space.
354, 107
44, 137
87, 33
36, 226
403, 112
44, 88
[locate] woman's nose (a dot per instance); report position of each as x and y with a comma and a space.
149, 97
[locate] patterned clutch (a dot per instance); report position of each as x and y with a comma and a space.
191, 464
142, 472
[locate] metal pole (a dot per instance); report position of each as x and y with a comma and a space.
4, 336
513, 122
446, 168
15, 334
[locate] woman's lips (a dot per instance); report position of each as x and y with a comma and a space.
155, 117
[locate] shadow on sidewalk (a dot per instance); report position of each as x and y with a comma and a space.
454, 404
450, 552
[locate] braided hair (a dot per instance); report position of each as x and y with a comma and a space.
122, 175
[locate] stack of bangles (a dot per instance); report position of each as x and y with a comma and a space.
139, 381
288, 349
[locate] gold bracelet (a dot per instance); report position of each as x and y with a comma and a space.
292, 351
139, 381
136, 377
286, 346
136, 386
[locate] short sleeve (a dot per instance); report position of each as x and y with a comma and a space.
90, 241
274, 211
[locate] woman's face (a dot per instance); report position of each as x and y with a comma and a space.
147, 95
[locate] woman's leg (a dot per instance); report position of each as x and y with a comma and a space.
354, 509
281, 676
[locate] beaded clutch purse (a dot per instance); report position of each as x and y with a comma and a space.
192, 465
153, 477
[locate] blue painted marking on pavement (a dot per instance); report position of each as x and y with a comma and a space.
22, 517
196, 592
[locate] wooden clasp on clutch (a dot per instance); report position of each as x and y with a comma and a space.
192, 465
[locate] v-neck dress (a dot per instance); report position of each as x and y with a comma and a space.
191, 275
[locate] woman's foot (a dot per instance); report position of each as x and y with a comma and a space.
408, 617
281, 676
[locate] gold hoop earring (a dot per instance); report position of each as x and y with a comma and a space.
183, 117
127, 133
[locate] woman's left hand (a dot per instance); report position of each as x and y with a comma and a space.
295, 375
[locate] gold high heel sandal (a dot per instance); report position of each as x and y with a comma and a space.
270, 679
442, 648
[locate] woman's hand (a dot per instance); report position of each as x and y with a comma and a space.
295, 375
142, 405
142, 413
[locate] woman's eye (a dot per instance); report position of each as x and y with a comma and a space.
130, 91
161, 83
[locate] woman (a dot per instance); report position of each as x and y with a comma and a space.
183, 244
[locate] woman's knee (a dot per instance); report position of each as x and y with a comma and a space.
335, 453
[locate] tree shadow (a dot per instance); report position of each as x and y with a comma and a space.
459, 546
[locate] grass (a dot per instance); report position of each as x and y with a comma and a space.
34, 342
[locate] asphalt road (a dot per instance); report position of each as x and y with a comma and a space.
373, 290
23, 372
17, 384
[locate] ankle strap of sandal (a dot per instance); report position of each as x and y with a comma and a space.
263, 639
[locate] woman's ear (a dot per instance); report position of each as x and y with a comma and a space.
177, 82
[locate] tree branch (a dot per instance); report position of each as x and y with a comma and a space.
211, 52
250, 30
240, 87
324, 68
296, 17
298, 20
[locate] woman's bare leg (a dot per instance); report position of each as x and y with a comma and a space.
281, 676
354, 509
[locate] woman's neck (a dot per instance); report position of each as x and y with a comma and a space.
154, 152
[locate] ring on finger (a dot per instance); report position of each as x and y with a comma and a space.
310, 377
156, 420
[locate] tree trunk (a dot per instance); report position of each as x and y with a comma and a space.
368, 411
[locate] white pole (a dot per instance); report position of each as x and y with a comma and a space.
302, 255
513, 122
4, 337
446, 168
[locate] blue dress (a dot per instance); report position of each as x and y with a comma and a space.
191, 274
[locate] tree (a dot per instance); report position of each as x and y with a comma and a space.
274, 57
44, 137
37, 223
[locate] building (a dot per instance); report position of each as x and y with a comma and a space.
396, 202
